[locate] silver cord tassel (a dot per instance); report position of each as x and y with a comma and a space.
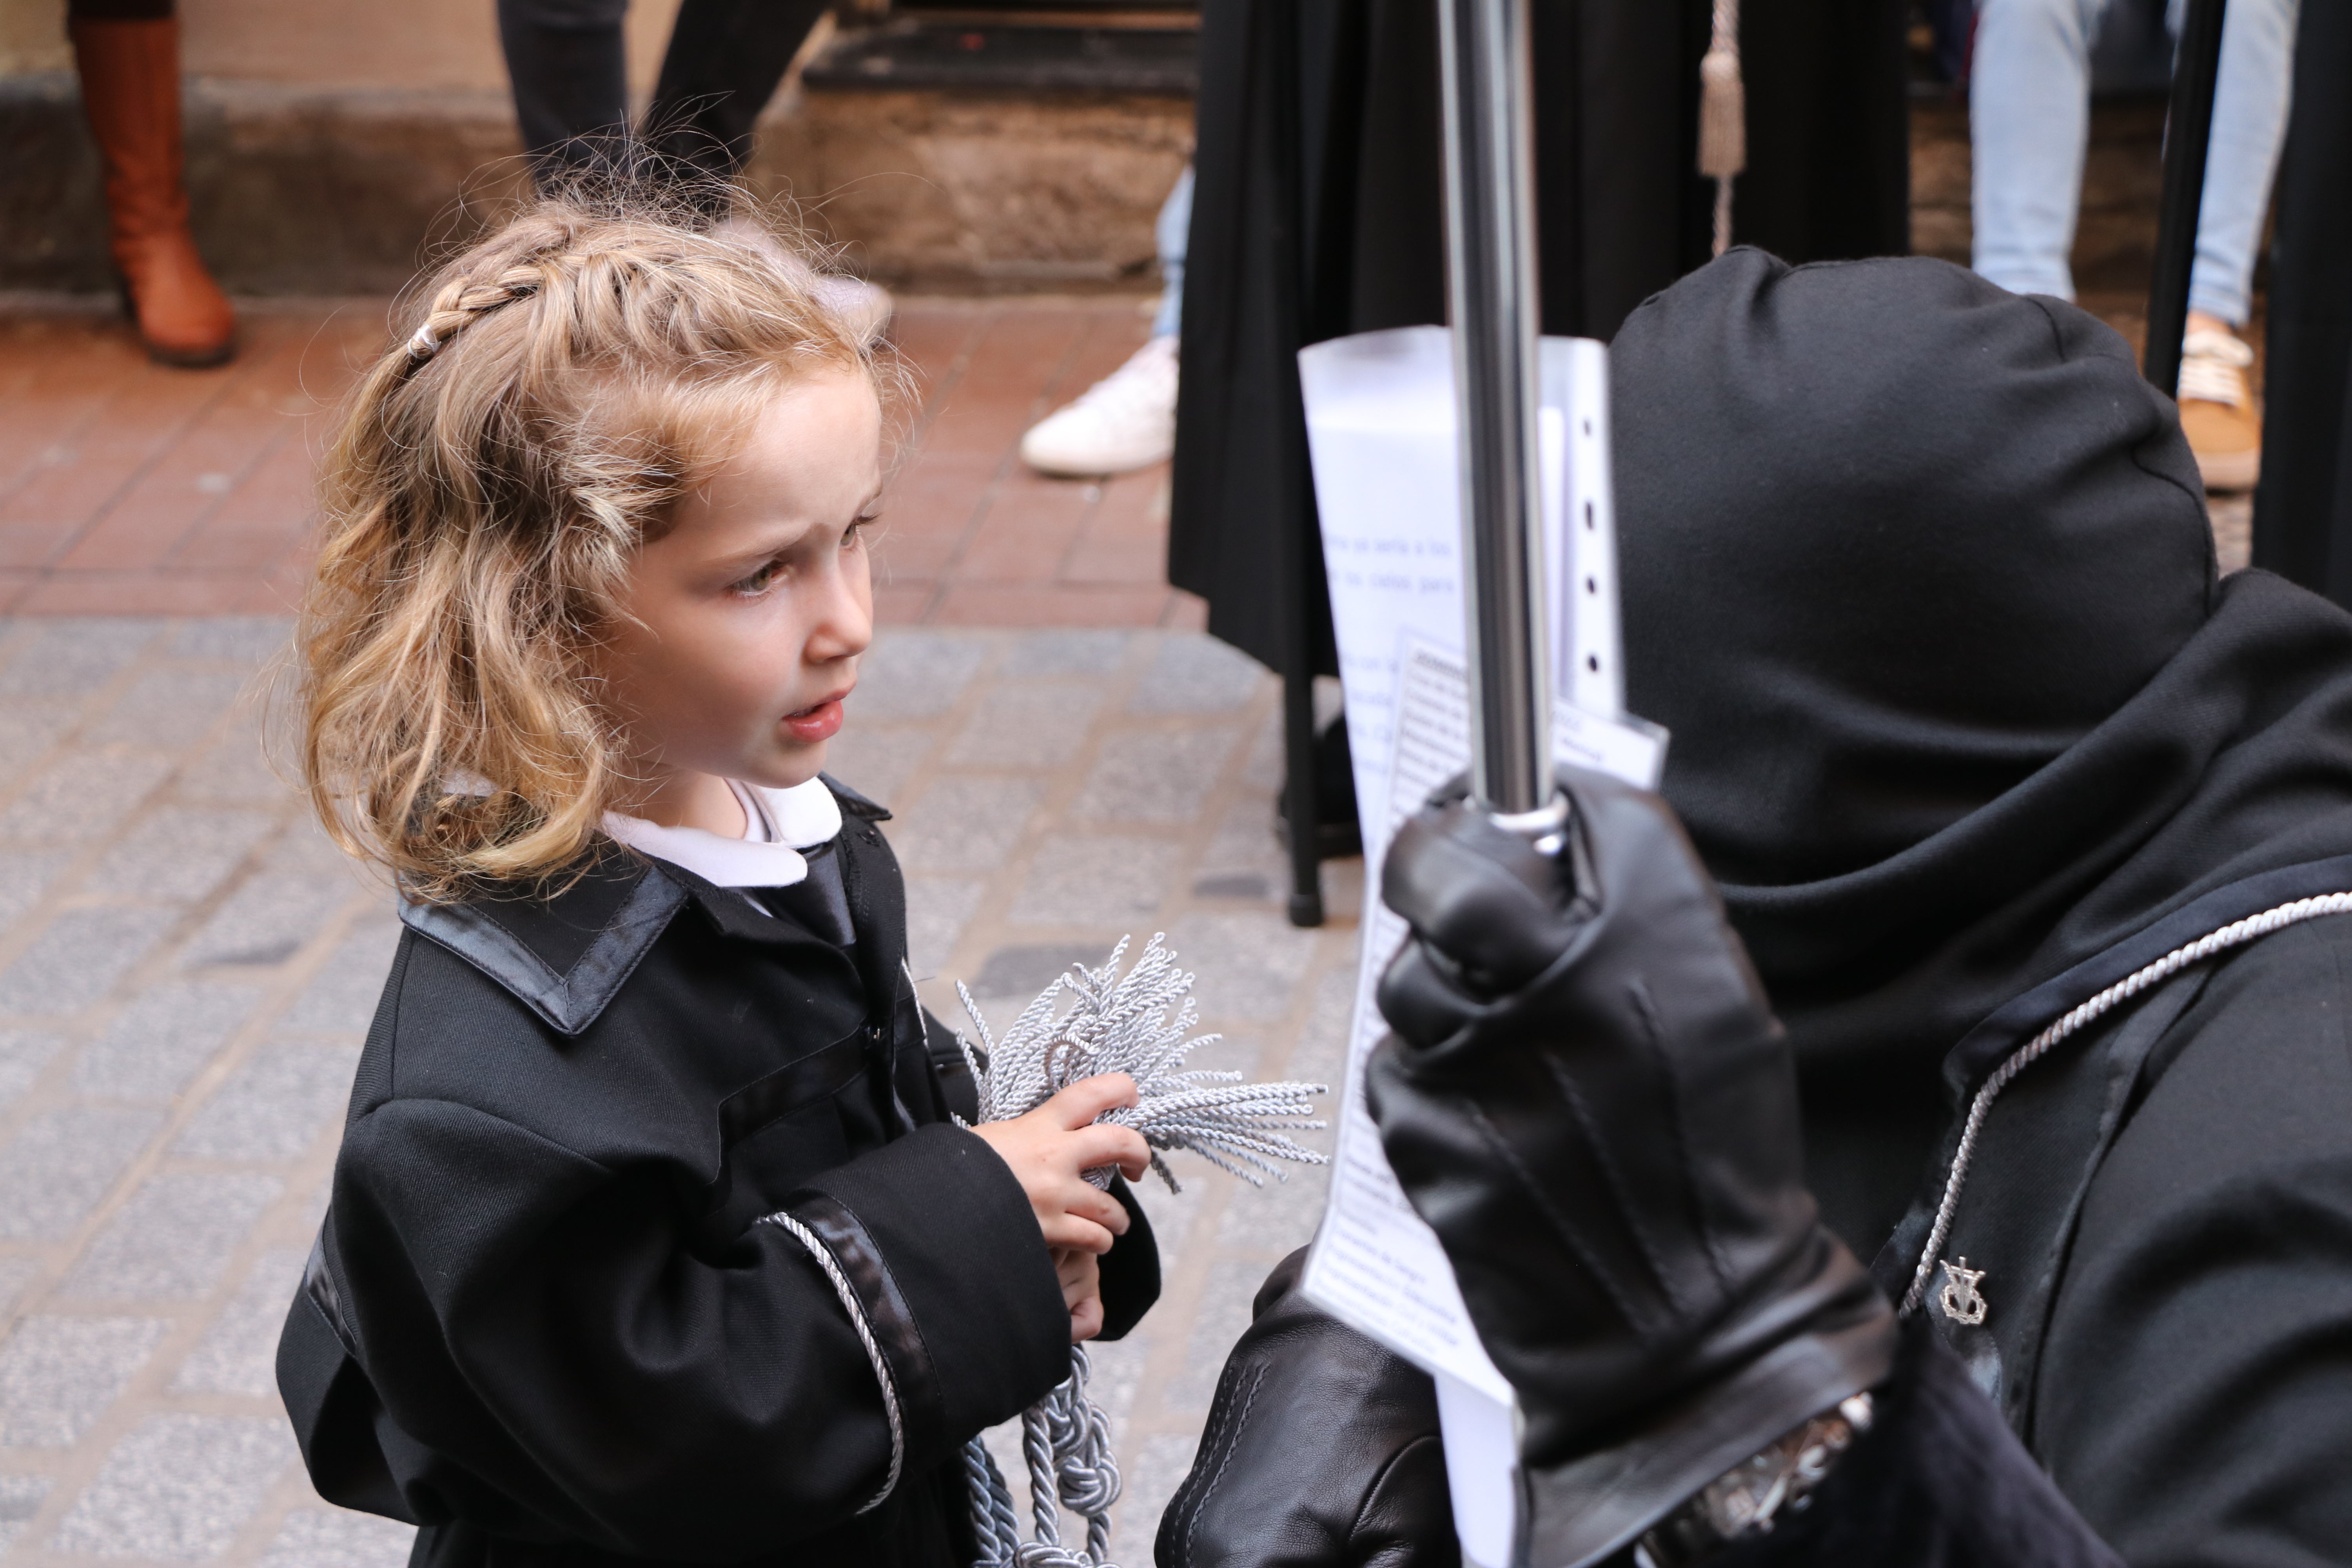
1139, 1022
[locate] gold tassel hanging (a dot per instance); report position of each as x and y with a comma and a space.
1722, 115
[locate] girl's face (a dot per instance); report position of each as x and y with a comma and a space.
744, 622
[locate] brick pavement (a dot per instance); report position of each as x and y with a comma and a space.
129, 488
186, 972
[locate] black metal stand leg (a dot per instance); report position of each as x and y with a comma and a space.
1298, 804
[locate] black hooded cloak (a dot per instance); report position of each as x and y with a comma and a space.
1918, 574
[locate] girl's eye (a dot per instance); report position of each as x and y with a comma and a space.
759, 582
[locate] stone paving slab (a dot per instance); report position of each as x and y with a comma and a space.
186, 970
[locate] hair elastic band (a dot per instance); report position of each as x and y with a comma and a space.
424, 345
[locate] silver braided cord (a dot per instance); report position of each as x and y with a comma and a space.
2234, 934
1124, 1023
1139, 1024
857, 1310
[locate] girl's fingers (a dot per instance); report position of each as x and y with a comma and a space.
1070, 1230
1086, 1320
1107, 1143
1088, 1098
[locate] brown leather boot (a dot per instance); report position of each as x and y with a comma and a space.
130, 88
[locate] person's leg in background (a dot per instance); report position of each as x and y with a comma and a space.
127, 52
569, 66
1128, 419
2029, 123
723, 65
2250, 110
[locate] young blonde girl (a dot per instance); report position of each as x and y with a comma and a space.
652, 1237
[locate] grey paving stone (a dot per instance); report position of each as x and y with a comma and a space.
238, 1353
937, 909
1097, 880
1015, 975
171, 1240
276, 1105
78, 957
161, 1040
965, 823
1096, 653
252, 641
917, 672
1249, 961
166, 708
340, 998
22, 1054
57, 1375
62, 1162
876, 759
1193, 672
267, 920
20, 1499
1267, 1222
82, 794
27, 729
336, 1538
179, 853
1030, 727
72, 656
1156, 1468
1153, 775
16, 1274
236, 767
180, 1486
1245, 855
25, 876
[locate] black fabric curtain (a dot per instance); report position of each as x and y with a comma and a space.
1318, 213
2303, 510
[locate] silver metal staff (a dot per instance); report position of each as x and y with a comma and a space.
1490, 249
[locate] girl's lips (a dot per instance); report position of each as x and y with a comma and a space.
821, 722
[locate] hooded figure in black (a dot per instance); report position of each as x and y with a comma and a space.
2035, 833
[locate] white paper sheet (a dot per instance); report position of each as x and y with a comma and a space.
1380, 423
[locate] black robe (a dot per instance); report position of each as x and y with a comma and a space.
542, 1321
2303, 510
1318, 213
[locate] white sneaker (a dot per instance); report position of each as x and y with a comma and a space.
1125, 421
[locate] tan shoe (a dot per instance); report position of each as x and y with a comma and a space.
130, 90
2217, 410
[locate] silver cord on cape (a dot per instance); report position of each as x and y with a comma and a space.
2234, 934
857, 1310
1722, 115
1139, 1024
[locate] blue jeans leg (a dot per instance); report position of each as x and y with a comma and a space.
2250, 107
2029, 119
1174, 228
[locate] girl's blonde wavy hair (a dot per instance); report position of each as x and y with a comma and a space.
556, 390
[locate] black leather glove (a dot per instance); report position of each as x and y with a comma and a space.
1587, 1096
1321, 1451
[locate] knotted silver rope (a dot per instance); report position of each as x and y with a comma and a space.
2234, 934
1115, 1024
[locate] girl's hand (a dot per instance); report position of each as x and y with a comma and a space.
1081, 1277
1051, 1149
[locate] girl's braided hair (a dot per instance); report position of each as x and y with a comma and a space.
563, 384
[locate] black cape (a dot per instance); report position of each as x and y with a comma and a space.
1318, 213
1918, 574
2302, 512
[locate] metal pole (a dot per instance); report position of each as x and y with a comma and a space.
1491, 275
2188, 132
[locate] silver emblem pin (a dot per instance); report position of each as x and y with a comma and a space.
1959, 1299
